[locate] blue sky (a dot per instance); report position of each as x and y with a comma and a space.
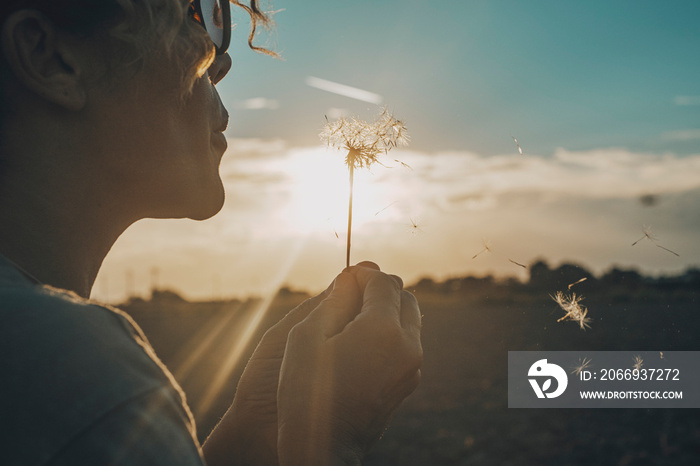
468, 74
603, 97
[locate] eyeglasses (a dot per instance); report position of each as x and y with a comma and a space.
215, 17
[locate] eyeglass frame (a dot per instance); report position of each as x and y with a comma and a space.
226, 18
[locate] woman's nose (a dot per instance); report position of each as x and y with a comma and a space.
220, 67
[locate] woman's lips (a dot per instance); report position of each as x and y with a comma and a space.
219, 141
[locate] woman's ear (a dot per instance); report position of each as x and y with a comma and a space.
42, 59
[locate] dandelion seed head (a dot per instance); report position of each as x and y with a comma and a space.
365, 141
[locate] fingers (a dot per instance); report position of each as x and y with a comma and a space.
339, 307
410, 314
381, 293
368, 265
372, 265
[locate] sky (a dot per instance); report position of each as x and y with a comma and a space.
602, 97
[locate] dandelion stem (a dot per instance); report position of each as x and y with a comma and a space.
347, 254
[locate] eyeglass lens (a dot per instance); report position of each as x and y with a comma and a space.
213, 17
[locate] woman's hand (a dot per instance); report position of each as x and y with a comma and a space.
248, 432
347, 366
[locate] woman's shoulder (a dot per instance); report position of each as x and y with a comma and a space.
70, 363
53, 329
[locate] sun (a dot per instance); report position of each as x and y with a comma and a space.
318, 187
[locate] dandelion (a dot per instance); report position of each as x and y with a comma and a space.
520, 149
577, 282
487, 248
582, 364
574, 311
364, 142
638, 362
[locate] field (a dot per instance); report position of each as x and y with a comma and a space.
459, 414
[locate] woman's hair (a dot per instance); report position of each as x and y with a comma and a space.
138, 28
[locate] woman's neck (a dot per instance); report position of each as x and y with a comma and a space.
58, 236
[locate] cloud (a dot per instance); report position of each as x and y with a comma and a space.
575, 205
344, 90
334, 113
258, 103
686, 100
600, 173
253, 148
682, 135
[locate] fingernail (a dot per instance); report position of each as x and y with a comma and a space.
368, 264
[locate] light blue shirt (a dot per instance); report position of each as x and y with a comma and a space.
81, 385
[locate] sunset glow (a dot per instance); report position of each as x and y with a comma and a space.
540, 130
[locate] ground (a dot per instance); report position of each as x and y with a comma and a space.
459, 415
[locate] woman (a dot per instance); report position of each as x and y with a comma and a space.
110, 114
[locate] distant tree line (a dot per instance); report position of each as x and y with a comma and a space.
543, 278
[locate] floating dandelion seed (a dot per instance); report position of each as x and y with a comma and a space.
487, 248
647, 234
520, 149
518, 263
577, 282
364, 142
638, 362
582, 364
414, 228
574, 311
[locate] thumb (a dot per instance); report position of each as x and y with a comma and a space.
339, 308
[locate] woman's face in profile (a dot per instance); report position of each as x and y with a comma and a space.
169, 141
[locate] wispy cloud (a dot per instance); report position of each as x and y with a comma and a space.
682, 135
258, 103
344, 90
686, 100
334, 113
